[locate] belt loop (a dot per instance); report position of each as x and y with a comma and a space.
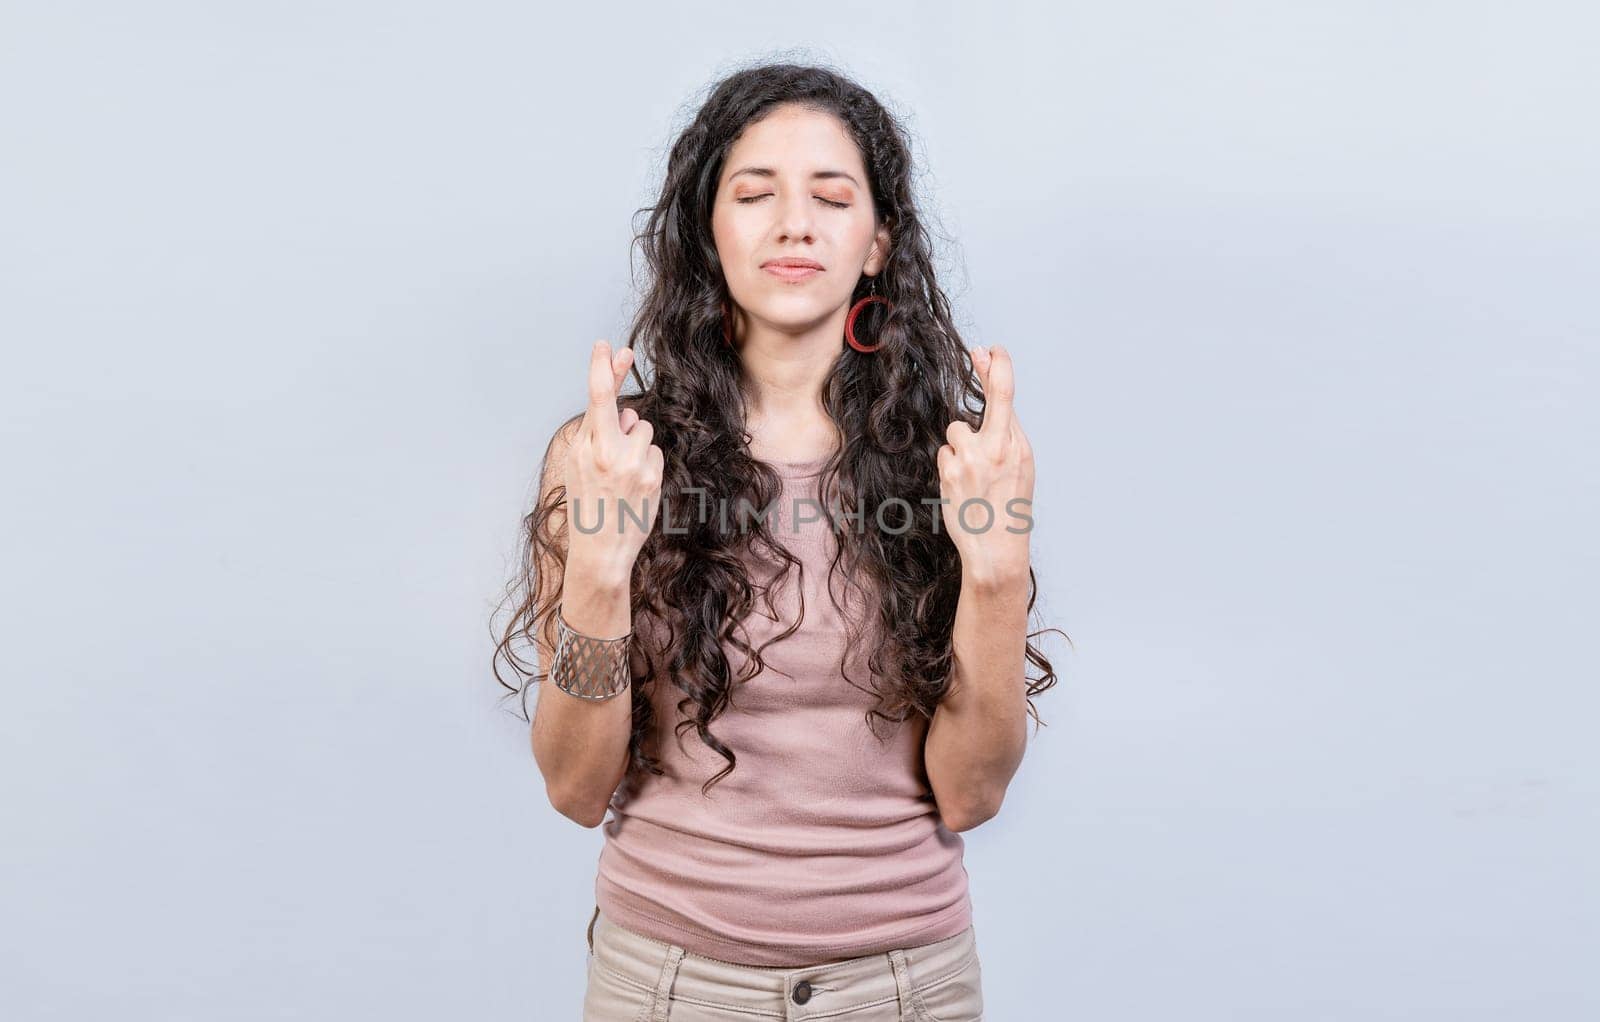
661, 1000
911, 1008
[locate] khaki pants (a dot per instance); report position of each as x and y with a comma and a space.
634, 978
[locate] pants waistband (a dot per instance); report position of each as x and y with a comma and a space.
787, 993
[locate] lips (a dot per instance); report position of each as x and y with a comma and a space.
792, 269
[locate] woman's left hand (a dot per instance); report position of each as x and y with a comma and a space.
993, 469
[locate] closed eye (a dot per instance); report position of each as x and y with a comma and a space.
768, 195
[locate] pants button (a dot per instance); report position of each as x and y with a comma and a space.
802, 992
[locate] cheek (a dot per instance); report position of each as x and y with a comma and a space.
862, 234
731, 243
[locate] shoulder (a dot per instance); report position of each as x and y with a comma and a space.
565, 433
555, 452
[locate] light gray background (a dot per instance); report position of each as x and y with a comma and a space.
1302, 299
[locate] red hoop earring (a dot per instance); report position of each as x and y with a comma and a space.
727, 325
855, 310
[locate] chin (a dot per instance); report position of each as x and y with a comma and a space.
792, 324
793, 311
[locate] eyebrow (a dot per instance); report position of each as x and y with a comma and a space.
769, 172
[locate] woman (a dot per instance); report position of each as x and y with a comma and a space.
762, 558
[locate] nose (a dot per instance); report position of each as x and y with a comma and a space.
795, 217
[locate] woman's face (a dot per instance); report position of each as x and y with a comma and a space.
794, 188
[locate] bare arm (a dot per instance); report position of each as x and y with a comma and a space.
581, 745
978, 735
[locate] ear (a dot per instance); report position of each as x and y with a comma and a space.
878, 256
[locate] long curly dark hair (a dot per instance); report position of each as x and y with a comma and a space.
891, 408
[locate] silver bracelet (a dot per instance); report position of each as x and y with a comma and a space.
587, 667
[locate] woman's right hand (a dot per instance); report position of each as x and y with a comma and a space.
613, 475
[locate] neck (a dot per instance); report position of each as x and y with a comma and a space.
783, 371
